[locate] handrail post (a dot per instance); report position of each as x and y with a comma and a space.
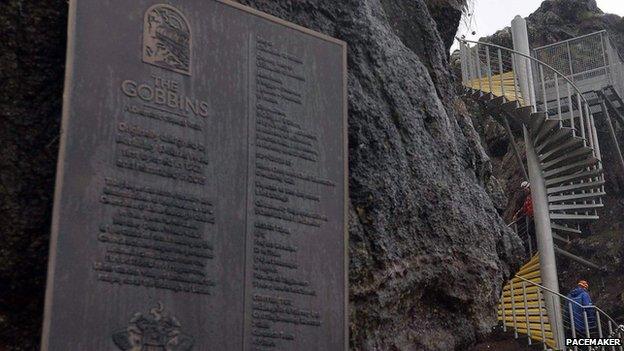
571, 109
603, 48
540, 296
526, 312
469, 66
581, 119
587, 334
594, 133
478, 63
489, 68
462, 58
559, 116
543, 81
557, 326
590, 131
570, 58
514, 71
513, 310
572, 323
610, 332
500, 71
598, 323
532, 99
528, 231
503, 312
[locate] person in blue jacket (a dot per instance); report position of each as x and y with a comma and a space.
580, 295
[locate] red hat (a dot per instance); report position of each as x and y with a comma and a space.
583, 284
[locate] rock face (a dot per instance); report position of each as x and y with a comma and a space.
429, 252
32, 58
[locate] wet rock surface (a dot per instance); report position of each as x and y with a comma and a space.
429, 252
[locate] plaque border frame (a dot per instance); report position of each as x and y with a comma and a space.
60, 172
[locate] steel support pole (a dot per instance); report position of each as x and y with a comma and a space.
523, 65
543, 234
620, 119
512, 141
605, 111
578, 259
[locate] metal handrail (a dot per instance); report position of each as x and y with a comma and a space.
567, 298
544, 64
571, 39
574, 99
514, 221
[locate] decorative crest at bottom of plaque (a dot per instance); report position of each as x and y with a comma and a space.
158, 331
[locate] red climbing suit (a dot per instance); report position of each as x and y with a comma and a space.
527, 207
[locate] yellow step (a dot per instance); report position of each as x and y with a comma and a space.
531, 266
520, 312
533, 321
529, 304
536, 330
529, 276
516, 299
519, 291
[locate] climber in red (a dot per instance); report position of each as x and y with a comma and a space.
527, 206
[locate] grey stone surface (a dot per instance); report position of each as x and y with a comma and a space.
32, 58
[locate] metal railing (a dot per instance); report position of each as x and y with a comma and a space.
495, 69
590, 60
501, 71
521, 226
498, 75
579, 321
529, 313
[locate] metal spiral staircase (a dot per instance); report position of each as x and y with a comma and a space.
564, 165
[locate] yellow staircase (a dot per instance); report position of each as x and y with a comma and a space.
522, 306
504, 84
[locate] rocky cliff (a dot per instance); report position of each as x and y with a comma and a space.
32, 58
429, 252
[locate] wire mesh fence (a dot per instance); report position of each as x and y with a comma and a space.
590, 61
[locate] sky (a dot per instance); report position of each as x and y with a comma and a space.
488, 16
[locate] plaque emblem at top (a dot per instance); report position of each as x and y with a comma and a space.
167, 39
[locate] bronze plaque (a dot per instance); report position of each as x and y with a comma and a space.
201, 187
